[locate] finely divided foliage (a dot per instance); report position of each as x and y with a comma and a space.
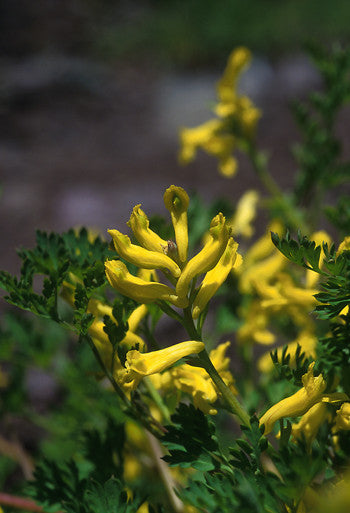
141, 417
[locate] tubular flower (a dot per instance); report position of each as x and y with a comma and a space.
218, 255
176, 201
215, 278
139, 224
210, 137
298, 403
237, 61
197, 382
255, 327
138, 289
240, 222
100, 337
342, 420
208, 257
237, 120
141, 256
138, 365
344, 246
310, 423
96, 330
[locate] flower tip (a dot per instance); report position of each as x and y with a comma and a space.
176, 199
196, 312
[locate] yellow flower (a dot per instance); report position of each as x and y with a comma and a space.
96, 330
197, 382
344, 246
100, 337
138, 289
226, 88
240, 222
342, 420
310, 423
176, 201
142, 257
138, 365
237, 123
255, 327
156, 253
213, 138
215, 278
139, 224
298, 403
208, 257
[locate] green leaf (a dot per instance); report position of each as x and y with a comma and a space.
191, 439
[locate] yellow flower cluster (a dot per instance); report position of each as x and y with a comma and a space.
237, 120
196, 382
216, 259
265, 277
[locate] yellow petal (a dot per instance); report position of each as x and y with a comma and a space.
215, 278
298, 403
241, 222
310, 423
239, 58
319, 237
344, 246
342, 420
137, 288
136, 317
139, 224
139, 364
208, 257
176, 200
142, 257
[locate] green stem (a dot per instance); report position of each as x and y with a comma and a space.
157, 399
229, 397
149, 423
107, 372
259, 161
188, 323
231, 401
169, 311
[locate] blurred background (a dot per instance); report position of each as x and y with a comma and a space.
93, 92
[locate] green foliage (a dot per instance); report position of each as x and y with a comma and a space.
336, 290
190, 439
319, 154
90, 446
303, 252
53, 258
283, 368
340, 214
63, 486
